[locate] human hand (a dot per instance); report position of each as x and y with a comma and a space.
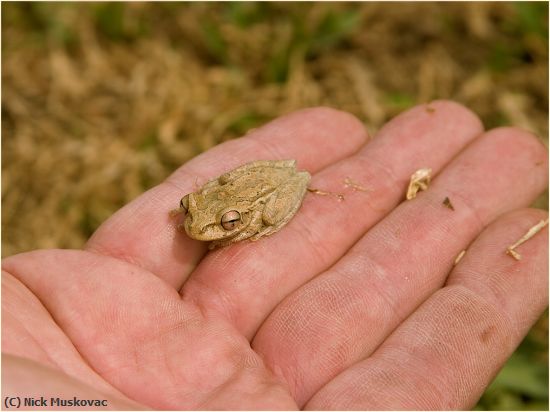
355, 304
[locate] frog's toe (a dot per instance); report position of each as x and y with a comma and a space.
265, 232
175, 212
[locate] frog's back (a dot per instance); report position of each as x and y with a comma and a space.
258, 167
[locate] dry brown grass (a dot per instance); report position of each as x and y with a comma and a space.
103, 101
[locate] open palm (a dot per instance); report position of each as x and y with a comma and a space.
355, 304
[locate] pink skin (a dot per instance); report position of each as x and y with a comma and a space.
352, 305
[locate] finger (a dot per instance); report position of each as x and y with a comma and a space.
143, 233
246, 281
444, 355
349, 310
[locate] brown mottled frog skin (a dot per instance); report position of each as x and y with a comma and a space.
249, 202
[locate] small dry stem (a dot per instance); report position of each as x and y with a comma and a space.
323, 193
354, 185
530, 233
459, 257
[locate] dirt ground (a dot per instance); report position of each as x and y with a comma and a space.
101, 101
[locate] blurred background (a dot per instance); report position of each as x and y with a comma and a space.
101, 101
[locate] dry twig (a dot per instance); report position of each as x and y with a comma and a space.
530, 233
355, 186
323, 193
459, 257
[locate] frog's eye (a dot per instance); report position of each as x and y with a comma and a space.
231, 219
184, 203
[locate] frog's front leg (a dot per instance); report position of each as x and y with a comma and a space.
283, 204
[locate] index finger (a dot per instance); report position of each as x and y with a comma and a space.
142, 232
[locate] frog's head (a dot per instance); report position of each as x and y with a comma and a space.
208, 221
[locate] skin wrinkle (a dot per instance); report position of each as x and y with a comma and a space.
67, 340
293, 381
446, 318
337, 354
465, 318
383, 169
474, 218
429, 390
229, 369
116, 252
418, 360
281, 325
220, 299
414, 355
221, 305
334, 178
311, 238
368, 261
378, 276
386, 181
293, 375
48, 359
161, 333
469, 317
374, 380
490, 312
243, 373
329, 355
53, 388
442, 231
24, 325
495, 309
